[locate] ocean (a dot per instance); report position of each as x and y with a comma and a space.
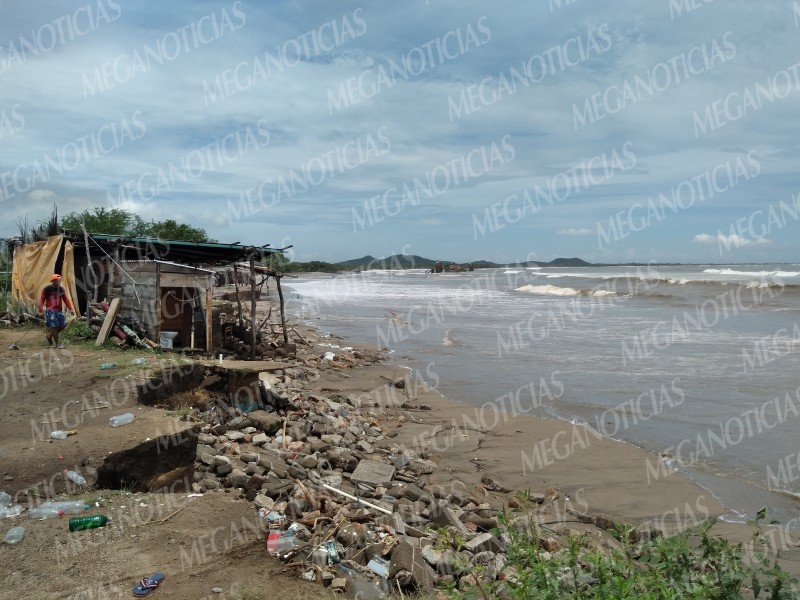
697, 364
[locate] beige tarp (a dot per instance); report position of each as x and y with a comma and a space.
34, 264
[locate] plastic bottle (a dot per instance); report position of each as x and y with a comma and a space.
68, 507
11, 511
358, 586
44, 513
121, 420
379, 566
88, 522
58, 435
279, 542
139, 361
107, 366
75, 477
14, 535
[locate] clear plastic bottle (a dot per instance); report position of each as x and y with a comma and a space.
14, 535
88, 522
121, 420
11, 511
280, 542
358, 586
68, 507
75, 477
58, 435
44, 513
107, 366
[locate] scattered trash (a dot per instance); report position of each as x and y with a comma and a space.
75, 477
67, 507
58, 435
139, 361
44, 513
11, 511
119, 420
14, 535
107, 366
88, 522
147, 585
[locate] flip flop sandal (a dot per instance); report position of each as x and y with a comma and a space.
148, 585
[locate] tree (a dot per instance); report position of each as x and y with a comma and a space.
171, 230
117, 221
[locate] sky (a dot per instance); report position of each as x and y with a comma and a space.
514, 130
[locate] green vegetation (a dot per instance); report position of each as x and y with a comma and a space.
117, 221
691, 565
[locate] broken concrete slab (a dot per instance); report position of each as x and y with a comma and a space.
373, 473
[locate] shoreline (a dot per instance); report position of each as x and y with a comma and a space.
596, 473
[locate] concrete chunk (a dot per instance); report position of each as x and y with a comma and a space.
373, 473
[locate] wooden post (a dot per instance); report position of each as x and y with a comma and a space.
209, 323
253, 327
91, 270
283, 313
236, 288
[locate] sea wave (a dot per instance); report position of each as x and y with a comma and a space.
555, 290
752, 273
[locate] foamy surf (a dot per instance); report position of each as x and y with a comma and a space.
554, 290
448, 340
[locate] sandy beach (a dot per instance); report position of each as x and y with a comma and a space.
575, 469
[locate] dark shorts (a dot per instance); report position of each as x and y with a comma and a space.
55, 318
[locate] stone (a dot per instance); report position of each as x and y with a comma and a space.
265, 502
259, 439
373, 473
205, 438
219, 460
269, 423
224, 469
234, 436
408, 567
237, 478
550, 544
493, 483
484, 542
442, 514
309, 462
450, 563
365, 447
421, 466
249, 457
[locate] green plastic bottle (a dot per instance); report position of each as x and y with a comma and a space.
87, 522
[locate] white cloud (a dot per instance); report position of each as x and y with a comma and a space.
732, 240
577, 232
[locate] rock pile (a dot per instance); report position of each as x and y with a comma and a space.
345, 503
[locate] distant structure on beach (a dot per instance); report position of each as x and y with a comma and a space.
440, 267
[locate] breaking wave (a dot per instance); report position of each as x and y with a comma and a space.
554, 290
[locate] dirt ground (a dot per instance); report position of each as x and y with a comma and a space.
200, 543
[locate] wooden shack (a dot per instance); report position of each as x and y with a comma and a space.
169, 297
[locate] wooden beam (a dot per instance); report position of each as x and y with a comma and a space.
108, 323
209, 314
253, 327
283, 312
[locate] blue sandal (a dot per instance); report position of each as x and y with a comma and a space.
147, 585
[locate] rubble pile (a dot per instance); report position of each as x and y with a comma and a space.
344, 502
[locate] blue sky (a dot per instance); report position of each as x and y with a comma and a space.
455, 130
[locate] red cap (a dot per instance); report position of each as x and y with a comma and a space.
54, 277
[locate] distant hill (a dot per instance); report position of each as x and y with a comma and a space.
396, 261
560, 262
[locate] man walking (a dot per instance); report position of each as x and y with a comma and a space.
53, 298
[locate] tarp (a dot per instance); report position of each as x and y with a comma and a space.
34, 263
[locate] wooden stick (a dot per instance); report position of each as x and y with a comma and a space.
167, 517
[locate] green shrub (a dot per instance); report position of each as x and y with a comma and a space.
691, 565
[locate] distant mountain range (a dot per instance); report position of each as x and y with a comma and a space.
406, 261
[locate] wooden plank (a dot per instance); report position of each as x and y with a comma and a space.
209, 322
108, 323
